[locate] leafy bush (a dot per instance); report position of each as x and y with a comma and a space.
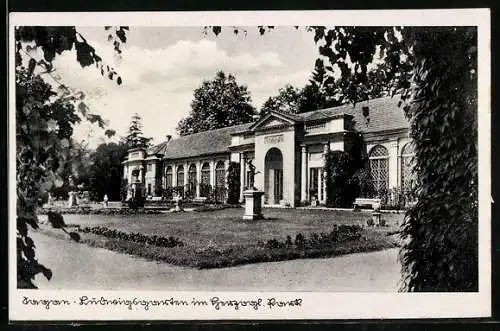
155, 240
346, 175
362, 179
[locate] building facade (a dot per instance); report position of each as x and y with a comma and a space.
287, 150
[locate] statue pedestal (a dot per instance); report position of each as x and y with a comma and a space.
72, 201
376, 218
253, 205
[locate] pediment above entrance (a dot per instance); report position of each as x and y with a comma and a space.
272, 120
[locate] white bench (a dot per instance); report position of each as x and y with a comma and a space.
364, 202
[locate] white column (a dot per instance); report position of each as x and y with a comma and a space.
242, 175
303, 176
326, 149
186, 170
212, 174
174, 175
393, 164
198, 178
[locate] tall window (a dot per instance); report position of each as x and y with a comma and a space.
220, 173
205, 180
168, 177
379, 166
180, 176
220, 181
192, 178
205, 174
407, 176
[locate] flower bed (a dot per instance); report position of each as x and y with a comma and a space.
155, 240
339, 234
84, 210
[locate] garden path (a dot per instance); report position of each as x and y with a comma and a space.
78, 266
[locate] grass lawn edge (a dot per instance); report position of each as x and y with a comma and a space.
235, 256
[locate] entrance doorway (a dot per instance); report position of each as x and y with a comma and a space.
314, 184
278, 185
273, 176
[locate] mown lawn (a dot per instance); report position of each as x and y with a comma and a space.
225, 228
221, 238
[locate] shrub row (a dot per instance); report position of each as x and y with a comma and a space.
154, 240
340, 233
82, 210
100, 211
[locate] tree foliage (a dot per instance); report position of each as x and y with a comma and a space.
76, 164
55, 40
322, 91
106, 172
135, 137
44, 125
218, 103
43, 132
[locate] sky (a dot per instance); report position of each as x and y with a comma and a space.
161, 67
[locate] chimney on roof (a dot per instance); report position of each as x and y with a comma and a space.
366, 113
169, 137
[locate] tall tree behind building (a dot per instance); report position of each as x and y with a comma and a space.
218, 103
135, 137
106, 171
319, 93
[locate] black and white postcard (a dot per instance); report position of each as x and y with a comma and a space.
249, 165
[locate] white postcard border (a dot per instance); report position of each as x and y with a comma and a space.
314, 305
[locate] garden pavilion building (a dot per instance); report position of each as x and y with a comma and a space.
287, 150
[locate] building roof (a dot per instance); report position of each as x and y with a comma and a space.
384, 115
197, 144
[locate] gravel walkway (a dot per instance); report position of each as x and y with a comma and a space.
77, 266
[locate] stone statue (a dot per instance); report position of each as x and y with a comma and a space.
72, 194
252, 174
253, 197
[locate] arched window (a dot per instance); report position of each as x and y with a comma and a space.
220, 181
205, 180
180, 176
379, 167
192, 176
220, 174
407, 175
168, 177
